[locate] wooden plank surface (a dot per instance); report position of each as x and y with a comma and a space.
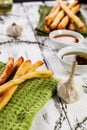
72, 113
49, 117
56, 114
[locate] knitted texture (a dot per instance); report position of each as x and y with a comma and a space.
1, 67
27, 100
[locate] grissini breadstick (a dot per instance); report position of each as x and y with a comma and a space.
34, 66
51, 12
5, 97
60, 15
49, 19
25, 67
47, 29
56, 21
73, 4
16, 65
71, 26
52, 15
7, 71
65, 20
17, 81
76, 8
76, 19
63, 23
18, 62
10, 68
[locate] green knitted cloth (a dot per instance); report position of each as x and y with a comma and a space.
27, 100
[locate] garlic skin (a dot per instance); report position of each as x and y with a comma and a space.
14, 30
70, 94
71, 90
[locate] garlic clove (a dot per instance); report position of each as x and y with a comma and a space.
70, 90
14, 30
71, 94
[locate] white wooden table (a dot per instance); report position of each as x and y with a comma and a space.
56, 114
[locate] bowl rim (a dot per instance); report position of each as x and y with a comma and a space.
65, 31
74, 49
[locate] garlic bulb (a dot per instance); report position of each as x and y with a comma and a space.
70, 90
14, 30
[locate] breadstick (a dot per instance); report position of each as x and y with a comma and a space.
75, 18
7, 71
65, 20
17, 81
52, 15
34, 66
46, 29
76, 8
18, 62
73, 4
71, 26
57, 20
25, 67
10, 68
52, 11
63, 23
5, 97
49, 19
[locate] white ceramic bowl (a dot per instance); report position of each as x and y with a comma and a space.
58, 44
80, 69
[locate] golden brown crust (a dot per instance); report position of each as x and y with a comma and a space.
64, 22
34, 66
73, 4
10, 68
72, 26
47, 29
5, 97
7, 71
52, 15
61, 16
25, 67
57, 19
17, 81
72, 16
18, 62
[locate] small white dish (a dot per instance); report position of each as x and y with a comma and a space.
80, 69
63, 38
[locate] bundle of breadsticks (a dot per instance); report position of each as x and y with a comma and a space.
17, 72
63, 16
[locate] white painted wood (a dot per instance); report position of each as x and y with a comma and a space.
77, 113
84, 10
39, 123
49, 118
51, 3
19, 17
31, 10
28, 51
55, 110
